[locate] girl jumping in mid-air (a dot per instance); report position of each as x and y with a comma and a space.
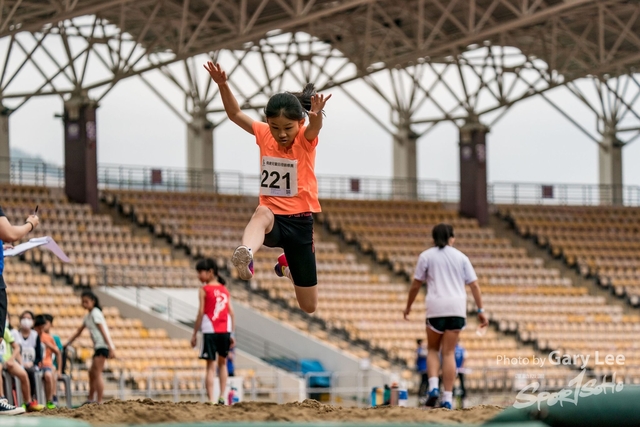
288, 185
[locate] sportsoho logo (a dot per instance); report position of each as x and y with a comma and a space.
576, 388
572, 394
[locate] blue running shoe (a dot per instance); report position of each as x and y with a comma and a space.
433, 397
446, 405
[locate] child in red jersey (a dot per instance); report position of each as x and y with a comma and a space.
216, 322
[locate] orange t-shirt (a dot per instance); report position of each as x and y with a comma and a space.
47, 360
288, 183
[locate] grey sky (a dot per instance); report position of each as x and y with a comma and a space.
531, 143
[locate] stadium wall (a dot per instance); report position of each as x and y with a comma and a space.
348, 370
294, 385
307, 346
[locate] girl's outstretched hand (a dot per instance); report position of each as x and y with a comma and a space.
216, 72
317, 103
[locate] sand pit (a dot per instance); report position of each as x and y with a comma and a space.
150, 412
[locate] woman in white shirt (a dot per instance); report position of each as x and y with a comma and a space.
446, 271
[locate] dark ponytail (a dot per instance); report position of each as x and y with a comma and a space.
450, 230
93, 297
441, 234
292, 105
207, 264
304, 97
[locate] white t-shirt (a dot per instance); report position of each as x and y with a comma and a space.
446, 272
27, 346
91, 322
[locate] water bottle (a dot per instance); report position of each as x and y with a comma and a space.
233, 396
481, 331
386, 396
374, 394
394, 396
403, 397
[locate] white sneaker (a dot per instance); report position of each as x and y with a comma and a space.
7, 409
242, 259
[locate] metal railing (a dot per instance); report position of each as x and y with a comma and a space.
154, 300
562, 194
346, 388
259, 386
31, 172
120, 177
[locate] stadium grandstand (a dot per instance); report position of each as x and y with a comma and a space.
365, 253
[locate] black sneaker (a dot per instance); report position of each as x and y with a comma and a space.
6, 409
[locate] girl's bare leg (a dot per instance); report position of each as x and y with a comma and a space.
261, 223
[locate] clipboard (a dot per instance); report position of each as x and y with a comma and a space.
46, 241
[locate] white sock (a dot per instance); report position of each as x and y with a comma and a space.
447, 396
433, 383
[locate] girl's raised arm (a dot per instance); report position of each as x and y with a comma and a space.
229, 101
315, 116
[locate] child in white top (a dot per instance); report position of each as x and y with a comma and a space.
95, 322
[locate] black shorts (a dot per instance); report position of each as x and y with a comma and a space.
3, 308
294, 234
215, 343
449, 323
104, 352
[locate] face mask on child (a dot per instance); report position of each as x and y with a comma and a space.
26, 323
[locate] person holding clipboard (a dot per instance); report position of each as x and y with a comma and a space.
11, 233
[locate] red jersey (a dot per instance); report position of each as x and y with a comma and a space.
216, 319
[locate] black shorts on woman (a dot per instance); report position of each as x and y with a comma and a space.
440, 325
294, 234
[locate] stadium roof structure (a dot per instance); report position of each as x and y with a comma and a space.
575, 38
561, 40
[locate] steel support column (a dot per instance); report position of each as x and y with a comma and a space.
80, 161
610, 167
5, 160
405, 166
200, 152
473, 171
